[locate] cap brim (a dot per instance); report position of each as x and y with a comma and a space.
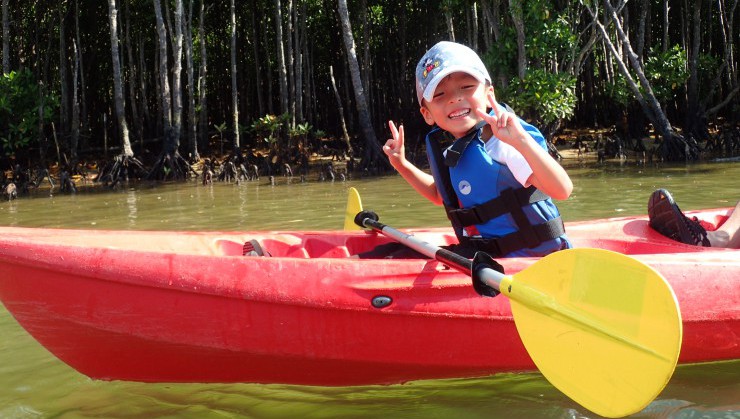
432, 86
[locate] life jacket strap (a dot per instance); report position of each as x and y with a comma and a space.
510, 200
518, 240
455, 151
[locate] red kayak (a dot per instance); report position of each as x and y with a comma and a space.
191, 307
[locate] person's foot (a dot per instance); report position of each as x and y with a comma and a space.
667, 219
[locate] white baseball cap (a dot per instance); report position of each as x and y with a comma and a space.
443, 59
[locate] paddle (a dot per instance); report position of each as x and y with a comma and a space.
602, 327
354, 205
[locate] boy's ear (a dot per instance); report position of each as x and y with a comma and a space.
427, 115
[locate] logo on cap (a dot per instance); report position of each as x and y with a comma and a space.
429, 66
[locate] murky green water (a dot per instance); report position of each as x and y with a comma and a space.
35, 384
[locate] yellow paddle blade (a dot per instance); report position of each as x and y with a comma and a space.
354, 205
602, 327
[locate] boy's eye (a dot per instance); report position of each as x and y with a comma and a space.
437, 94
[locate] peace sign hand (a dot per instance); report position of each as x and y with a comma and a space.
504, 124
394, 147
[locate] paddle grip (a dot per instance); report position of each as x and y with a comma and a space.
365, 218
482, 266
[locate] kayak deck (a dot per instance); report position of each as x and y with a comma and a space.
627, 235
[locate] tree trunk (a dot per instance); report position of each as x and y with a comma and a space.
692, 123
143, 85
643, 7
164, 81
373, 152
291, 68
257, 69
192, 119
75, 139
173, 141
300, 43
202, 86
517, 16
728, 69
270, 105
234, 91
63, 62
117, 83
138, 127
366, 61
659, 119
170, 164
282, 71
474, 26
446, 5
340, 112
6, 39
666, 21
83, 88
280, 50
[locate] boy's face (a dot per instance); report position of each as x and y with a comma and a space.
454, 103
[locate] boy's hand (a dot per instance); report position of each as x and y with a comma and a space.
504, 125
394, 147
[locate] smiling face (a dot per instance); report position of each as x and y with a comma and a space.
454, 103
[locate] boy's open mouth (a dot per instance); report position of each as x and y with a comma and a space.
459, 114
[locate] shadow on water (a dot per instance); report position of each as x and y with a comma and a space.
35, 384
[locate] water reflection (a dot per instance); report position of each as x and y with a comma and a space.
132, 208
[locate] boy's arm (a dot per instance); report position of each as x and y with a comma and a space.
421, 181
547, 174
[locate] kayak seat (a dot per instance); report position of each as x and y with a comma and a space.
318, 248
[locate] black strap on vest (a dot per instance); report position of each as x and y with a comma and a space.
501, 246
458, 147
510, 199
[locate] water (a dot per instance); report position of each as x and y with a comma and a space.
34, 384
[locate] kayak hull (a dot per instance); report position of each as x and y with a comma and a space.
188, 307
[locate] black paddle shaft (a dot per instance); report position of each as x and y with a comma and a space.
485, 272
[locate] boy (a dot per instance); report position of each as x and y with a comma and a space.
496, 179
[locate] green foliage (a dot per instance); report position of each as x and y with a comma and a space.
220, 127
301, 130
619, 92
549, 38
268, 127
545, 96
667, 72
19, 110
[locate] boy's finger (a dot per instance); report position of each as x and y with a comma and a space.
496, 106
394, 131
490, 119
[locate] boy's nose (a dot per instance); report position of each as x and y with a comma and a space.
456, 96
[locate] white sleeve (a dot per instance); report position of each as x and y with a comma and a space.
507, 155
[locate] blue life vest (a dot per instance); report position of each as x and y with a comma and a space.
478, 191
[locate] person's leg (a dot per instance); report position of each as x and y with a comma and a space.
726, 235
